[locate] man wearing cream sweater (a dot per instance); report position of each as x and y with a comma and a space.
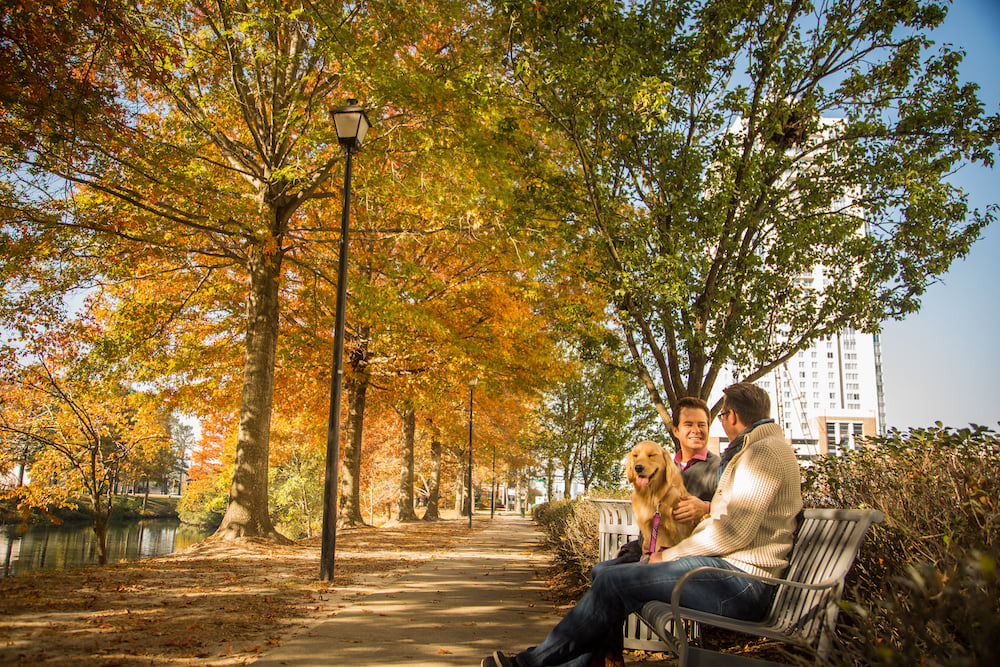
749, 529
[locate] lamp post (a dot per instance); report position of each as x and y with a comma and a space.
472, 386
352, 125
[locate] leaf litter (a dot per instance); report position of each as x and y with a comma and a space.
216, 603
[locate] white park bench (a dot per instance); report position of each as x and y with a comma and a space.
806, 603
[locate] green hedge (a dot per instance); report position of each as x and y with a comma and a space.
925, 588
571, 533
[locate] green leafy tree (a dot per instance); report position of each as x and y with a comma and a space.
714, 153
298, 493
590, 421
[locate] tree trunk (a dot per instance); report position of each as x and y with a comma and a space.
101, 519
247, 513
461, 487
404, 498
349, 513
434, 490
24, 464
101, 533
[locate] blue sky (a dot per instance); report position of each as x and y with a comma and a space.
943, 363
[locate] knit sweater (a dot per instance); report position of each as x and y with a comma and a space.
752, 519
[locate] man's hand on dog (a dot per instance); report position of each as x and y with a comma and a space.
690, 508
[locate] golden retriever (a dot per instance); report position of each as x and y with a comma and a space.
656, 486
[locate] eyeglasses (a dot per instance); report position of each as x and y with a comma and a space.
724, 414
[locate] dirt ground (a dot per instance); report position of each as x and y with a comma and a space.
216, 603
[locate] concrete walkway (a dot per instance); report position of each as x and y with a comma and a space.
484, 595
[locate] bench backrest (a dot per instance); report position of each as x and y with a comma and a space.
826, 543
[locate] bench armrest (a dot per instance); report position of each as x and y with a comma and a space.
675, 597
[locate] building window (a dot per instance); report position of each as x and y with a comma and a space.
831, 438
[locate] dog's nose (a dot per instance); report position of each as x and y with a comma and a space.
639, 468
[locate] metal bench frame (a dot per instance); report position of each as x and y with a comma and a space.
806, 603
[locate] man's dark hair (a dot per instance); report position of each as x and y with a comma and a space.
748, 401
691, 402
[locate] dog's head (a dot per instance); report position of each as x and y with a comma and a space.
647, 461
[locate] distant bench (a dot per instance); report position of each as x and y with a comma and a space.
806, 603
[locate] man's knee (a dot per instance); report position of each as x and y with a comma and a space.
598, 568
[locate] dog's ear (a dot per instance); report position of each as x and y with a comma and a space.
630, 467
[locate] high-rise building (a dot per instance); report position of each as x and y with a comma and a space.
828, 396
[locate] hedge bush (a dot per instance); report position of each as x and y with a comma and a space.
571, 533
924, 589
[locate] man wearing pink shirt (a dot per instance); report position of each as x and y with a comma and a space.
699, 467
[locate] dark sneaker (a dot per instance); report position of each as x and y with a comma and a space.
488, 661
501, 660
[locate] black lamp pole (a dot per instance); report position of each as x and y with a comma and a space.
352, 125
472, 386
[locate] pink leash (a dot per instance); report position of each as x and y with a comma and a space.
656, 529
656, 524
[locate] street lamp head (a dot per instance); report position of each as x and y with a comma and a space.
352, 125
473, 382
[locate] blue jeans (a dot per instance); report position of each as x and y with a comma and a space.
596, 569
620, 590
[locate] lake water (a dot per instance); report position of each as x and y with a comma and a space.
51, 547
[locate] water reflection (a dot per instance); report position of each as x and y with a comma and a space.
51, 547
